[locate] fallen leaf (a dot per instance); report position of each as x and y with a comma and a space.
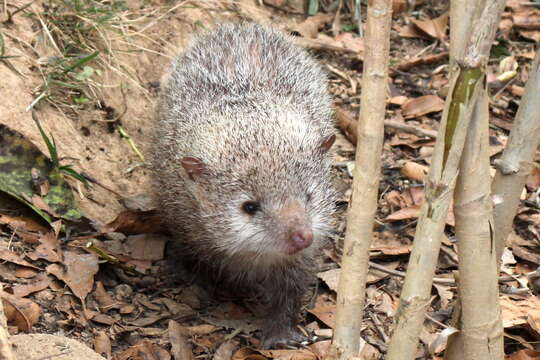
350, 41
533, 181
320, 348
435, 28
102, 344
22, 223
48, 248
78, 272
300, 354
527, 18
102, 319
411, 31
12, 257
414, 171
104, 299
412, 212
202, 329
22, 157
224, 351
324, 310
421, 106
149, 247
517, 312
248, 354
309, 28
25, 273
144, 350
135, 222
23, 313
180, 348
41, 282
525, 354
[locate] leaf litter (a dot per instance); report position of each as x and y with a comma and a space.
112, 286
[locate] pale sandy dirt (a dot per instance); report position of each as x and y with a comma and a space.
102, 154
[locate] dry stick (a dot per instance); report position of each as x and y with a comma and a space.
481, 323
360, 219
6, 352
516, 162
466, 86
348, 125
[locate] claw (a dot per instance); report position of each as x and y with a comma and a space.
285, 337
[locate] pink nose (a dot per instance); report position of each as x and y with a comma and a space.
301, 239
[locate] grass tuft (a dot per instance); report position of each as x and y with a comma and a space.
76, 30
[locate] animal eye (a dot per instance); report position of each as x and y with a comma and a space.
251, 207
308, 197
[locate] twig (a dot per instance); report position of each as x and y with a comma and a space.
411, 129
347, 124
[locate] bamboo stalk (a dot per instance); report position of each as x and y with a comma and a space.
360, 219
481, 324
466, 85
516, 162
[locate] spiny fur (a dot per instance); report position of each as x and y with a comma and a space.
255, 109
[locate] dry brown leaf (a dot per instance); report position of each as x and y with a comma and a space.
148, 319
517, 90
350, 41
144, 350
309, 28
22, 224
12, 257
517, 312
180, 347
224, 351
527, 18
505, 27
412, 212
381, 301
48, 248
445, 293
436, 28
320, 348
202, 329
20, 312
398, 6
78, 272
102, 344
149, 247
414, 171
398, 100
399, 200
101, 318
41, 282
25, 273
324, 310
248, 354
533, 181
525, 354
394, 250
135, 222
411, 31
422, 105
300, 354
104, 299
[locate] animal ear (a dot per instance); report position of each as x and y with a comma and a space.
193, 166
327, 143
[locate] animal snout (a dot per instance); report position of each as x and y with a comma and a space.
301, 239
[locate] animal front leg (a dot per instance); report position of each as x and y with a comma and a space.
285, 294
